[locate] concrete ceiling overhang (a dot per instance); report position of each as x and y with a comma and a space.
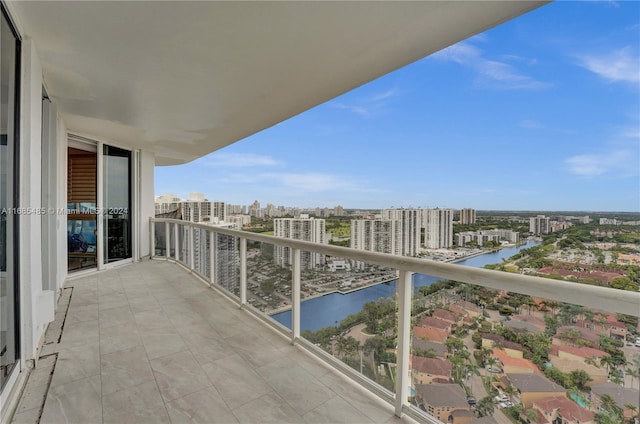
186, 78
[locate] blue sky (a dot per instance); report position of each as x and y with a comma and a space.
540, 113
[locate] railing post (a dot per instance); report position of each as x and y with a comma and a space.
192, 248
243, 271
175, 241
167, 241
152, 238
295, 295
212, 256
403, 289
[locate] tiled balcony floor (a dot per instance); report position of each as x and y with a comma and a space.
148, 342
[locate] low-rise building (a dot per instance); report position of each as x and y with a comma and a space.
429, 333
429, 370
445, 315
533, 387
622, 396
514, 364
489, 341
570, 358
432, 322
561, 409
422, 345
441, 400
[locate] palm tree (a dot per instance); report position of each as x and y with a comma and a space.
607, 403
485, 406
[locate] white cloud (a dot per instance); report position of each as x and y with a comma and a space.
617, 163
241, 160
312, 181
358, 110
370, 106
621, 65
491, 73
531, 124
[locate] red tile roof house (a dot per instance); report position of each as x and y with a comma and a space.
429, 333
622, 396
570, 358
526, 322
441, 400
512, 349
431, 322
428, 345
583, 334
426, 370
448, 316
559, 406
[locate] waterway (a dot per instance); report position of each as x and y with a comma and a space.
330, 309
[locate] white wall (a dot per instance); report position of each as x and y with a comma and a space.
37, 306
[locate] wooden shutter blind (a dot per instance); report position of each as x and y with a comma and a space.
81, 176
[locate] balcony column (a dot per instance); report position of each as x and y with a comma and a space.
243, 271
152, 238
403, 289
192, 247
212, 256
175, 242
295, 295
167, 241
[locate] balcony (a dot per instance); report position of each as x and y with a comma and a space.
158, 342
148, 342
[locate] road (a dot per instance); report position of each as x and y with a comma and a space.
477, 387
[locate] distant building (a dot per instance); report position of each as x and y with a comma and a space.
533, 387
438, 228
561, 409
430, 370
622, 396
410, 225
307, 229
539, 225
483, 236
376, 235
467, 216
442, 400
239, 220
202, 211
226, 257
166, 203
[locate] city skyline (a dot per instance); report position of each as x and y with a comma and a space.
540, 113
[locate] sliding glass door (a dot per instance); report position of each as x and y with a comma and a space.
117, 204
9, 294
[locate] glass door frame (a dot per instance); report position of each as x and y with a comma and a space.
133, 213
100, 204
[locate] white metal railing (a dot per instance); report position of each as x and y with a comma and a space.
179, 239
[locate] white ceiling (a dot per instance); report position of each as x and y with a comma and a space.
187, 78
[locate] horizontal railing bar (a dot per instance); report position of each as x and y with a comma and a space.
601, 298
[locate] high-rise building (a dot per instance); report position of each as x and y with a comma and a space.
467, 216
226, 257
438, 228
539, 224
409, 229
307, 229
203, 211
376, 235
166, 203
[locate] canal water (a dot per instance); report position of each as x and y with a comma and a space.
330, 309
